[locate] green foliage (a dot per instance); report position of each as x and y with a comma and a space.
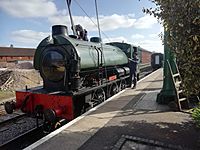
196, 116
181, 18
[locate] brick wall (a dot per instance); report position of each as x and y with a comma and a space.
11, 54
146, 56
13, 58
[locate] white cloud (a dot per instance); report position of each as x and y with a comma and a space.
47, 8
4, 45
137, 36
157, 35
107, 23
112, 22
28, 37
115, 39
154, 35
145, 22
131, 15
29, 8
151, 45
116, 21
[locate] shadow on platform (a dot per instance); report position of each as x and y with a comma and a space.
184, 134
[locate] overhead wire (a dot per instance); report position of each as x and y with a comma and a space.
91, 19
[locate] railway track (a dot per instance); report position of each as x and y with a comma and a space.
17, 131
16, 128
24, 139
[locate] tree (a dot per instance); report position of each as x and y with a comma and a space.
182, 20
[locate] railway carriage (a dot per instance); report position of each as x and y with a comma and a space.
156, 60
129, 49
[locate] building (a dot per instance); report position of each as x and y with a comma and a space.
146, 55
11, 54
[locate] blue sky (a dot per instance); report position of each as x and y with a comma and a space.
24, 23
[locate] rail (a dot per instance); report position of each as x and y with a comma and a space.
10, 118
15, 131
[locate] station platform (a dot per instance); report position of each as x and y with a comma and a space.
130, 120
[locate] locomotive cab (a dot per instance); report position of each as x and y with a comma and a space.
129, 50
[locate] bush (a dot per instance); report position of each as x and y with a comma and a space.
196, 115
181, 18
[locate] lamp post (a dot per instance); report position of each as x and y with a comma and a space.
167, 93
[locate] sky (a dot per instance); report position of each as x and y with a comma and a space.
24, 23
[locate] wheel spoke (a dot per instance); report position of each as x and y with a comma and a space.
98, 96
113, 89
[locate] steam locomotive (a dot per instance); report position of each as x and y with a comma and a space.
77, 75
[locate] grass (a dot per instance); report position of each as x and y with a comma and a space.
6, 94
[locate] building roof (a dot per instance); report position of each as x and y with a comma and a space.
16, 52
